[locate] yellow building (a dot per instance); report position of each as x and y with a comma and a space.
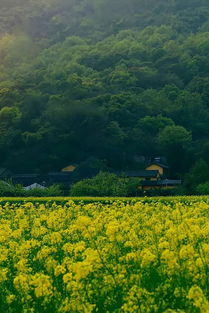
162, 181
161, 168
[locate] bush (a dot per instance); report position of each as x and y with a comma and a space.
198, 175
105, 185
132, 187
52, 191
7, 189
203, 189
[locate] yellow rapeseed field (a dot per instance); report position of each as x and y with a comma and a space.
119, 257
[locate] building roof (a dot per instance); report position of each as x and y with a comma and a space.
34, 186
164, 182
140, 173
159, 164
70, 168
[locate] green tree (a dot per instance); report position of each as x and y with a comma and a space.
105, 184
175, 142
198, 174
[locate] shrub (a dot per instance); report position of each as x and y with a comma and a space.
53, 190
198, 175
105, 184
203, 189
7, 189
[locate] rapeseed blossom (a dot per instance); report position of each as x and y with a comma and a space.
120, 257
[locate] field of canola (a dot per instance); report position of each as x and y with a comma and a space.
120, 257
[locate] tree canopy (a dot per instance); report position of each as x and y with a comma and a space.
115, 80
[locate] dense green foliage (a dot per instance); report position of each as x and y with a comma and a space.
111, 79
11, 190
106, 185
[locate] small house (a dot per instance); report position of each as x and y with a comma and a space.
156, 165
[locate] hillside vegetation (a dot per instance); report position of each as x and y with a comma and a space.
115, 80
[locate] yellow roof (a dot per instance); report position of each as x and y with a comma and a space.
69, 168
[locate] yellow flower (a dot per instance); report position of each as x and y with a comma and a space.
186, 252
65, 306
45, 252
79, 247
198, 298
147, 257
3, 274
3, 254
42, 284
22, 283
55, 238
67, 277
170, 260
81, 269
50, 264
10, 298
22, 266
59, 269
55, 257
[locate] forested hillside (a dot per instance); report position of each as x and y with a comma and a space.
112, 79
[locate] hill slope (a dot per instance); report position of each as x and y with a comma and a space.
111, 79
